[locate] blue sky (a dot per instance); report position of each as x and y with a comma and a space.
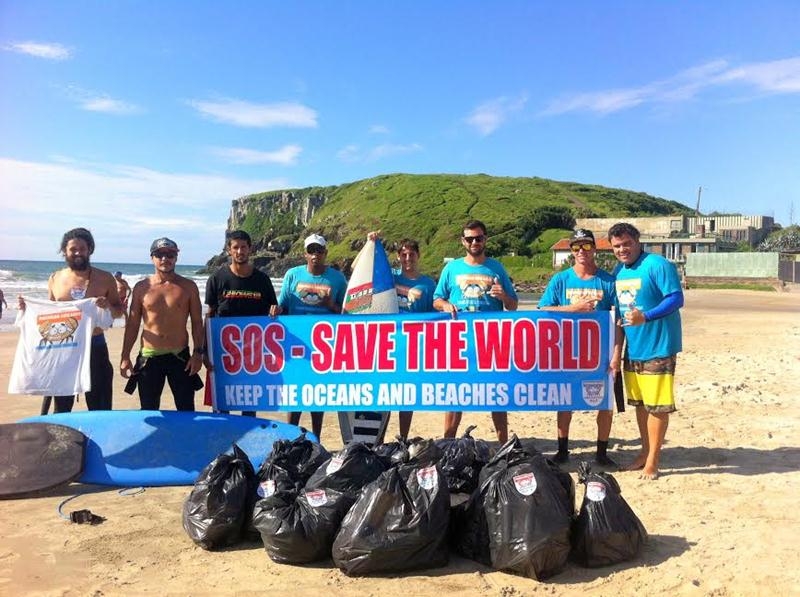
143, 119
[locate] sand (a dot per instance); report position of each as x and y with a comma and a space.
722, 518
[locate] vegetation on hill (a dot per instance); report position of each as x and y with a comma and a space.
524, 216
786, 240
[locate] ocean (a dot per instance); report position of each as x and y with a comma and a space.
29, 278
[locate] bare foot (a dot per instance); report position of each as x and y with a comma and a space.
649, 473
637, 464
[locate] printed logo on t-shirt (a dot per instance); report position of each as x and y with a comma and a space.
312, 294
407, 296
577, 295
251, 295
626, 293
58, 329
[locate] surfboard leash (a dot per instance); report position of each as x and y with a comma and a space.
87, 516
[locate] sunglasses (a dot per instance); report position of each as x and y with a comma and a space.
474, 239
314, 249
165, 255
584, 246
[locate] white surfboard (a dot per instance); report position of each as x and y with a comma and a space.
370, 290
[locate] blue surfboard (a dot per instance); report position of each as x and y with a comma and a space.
131, 448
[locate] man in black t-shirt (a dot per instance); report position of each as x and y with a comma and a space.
239, 289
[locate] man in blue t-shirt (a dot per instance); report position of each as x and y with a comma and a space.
414, 295
581, 289
311, 289
475, 282
649, 297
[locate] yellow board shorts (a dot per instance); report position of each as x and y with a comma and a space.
651, 383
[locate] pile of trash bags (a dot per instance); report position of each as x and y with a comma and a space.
388, 509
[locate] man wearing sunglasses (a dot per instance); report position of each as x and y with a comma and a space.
311, 289
583, 288
475, 282
165, 302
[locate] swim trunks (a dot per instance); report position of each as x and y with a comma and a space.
651, 383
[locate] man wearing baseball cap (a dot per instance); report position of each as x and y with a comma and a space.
581, 289
311, 289
165, 302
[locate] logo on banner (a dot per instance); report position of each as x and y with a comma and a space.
593, 392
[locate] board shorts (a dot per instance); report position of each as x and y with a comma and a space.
651, 383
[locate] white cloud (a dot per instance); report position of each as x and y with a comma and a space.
354, 154
93, 101
492, 114
109, 106
126, 207
779, 76
388, 149
349, 153
286, 155
49, 51
379, 129
248, 114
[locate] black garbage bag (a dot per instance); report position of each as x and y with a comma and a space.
462, 460
299, 457
519, 519
298, 528
606, 530
215, 512
399, 521
348, 470
287, 467
393, 452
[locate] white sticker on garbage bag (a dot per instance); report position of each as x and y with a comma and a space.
266, 488
427, 477
317, 498
334, 465
595, 491
525, 483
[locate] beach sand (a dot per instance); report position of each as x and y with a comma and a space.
722, 518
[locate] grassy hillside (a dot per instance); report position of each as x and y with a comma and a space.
525, 216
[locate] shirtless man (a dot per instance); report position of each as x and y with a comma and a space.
82, 280
124, 291
165, 302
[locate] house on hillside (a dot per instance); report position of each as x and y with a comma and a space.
673, 248
561, 251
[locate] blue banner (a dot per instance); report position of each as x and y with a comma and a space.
511, 361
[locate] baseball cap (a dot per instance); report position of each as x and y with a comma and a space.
117, 274
314, 239
581, 235
163, 243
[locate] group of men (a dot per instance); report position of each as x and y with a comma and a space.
643, 287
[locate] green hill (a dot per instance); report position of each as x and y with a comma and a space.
524, 216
